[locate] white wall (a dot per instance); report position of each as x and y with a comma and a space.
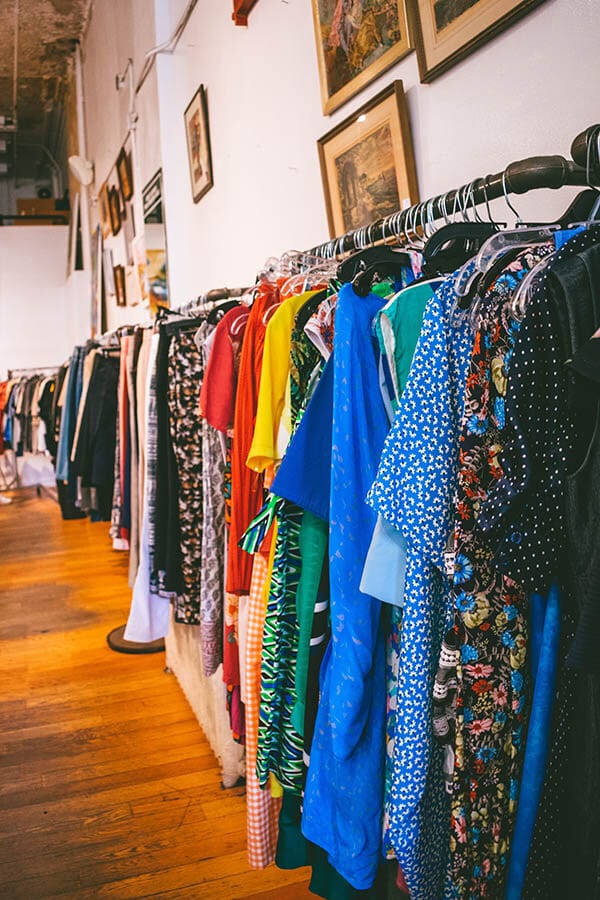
120, 30
529, 91
37, 316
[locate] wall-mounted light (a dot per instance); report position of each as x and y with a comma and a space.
81, 169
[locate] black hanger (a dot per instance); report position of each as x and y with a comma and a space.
186, 324
577, 211
370, 256
308, 308
452, 245
363, 281
217, 312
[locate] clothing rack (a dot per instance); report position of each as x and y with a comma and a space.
210, 299
32, 370
517, 178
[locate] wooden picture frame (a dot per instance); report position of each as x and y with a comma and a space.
104, 210
198, 144
125, 174
114, 206
367, 163
120, 291
446, 31
355, 46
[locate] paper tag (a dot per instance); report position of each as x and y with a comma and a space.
449, 556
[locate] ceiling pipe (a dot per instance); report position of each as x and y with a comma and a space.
82, 148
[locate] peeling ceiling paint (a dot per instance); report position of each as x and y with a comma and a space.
44, 33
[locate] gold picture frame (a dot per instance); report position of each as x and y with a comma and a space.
355, 45
104, 210
368, 164
446, 31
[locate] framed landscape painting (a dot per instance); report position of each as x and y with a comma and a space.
448, 30
367, 163
356, 40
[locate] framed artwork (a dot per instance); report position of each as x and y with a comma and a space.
357, 40
448, 30
124, 173
104, 210
152, 200
108, 273
119, 273
367, 163
74, 236
114, 207
198, 144
98, 322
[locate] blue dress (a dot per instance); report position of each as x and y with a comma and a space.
343, 803
414, 491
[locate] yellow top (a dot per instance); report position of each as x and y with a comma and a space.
271, 434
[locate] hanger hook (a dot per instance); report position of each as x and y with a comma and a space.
474, 186
465, 199
508, 203
484, 188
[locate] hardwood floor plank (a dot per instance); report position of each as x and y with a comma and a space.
108, 788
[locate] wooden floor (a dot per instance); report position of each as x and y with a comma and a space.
108, 788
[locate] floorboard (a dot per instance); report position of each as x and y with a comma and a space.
108, 788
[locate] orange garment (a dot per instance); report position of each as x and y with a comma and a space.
246, 485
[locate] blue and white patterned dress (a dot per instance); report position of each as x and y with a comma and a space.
414, 491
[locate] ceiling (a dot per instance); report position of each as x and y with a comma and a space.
37, 38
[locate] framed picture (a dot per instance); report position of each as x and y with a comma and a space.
98, 307
357, 40
367, 163
108, 273
124, 174
104, 210
74, 233
119, 273
114, 207
198, 144
448, 30
152, 200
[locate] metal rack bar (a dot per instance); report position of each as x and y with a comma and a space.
517, 178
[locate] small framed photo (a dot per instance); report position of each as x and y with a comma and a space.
448, 30
114, 207
198, 144
104, 210
356, 41
367, 163
125, 175
119, 273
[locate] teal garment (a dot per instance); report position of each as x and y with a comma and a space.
313, 547
398, 326
292, 849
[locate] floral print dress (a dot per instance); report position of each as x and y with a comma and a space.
489, 634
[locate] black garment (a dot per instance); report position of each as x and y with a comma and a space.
167, 548
95, 454
46, 403
537, 524
523, 516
